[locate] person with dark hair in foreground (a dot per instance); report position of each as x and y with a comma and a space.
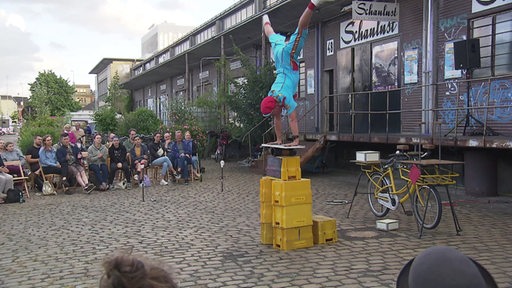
444, 267
127, 271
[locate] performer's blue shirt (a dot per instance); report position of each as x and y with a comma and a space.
287, 78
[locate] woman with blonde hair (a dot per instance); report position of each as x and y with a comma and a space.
67, 130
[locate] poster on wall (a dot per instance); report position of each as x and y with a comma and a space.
449, 63
385, 66
411, 66
310, 78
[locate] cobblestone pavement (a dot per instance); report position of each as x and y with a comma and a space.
212, 238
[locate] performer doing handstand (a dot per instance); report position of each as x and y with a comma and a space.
284, 89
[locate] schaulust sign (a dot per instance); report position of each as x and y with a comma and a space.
378, 11
355, 32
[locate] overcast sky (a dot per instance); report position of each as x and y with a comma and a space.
70, 37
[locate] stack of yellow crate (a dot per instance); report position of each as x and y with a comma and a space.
266, 210
292, 214
286, 208
291, 205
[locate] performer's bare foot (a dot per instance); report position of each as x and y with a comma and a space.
275, 143
294, 143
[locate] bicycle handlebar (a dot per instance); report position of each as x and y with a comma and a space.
398, 155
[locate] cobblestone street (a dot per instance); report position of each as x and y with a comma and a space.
212, 238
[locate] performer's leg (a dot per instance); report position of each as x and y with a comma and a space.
294, 126
267, 27
278, 129
305, 18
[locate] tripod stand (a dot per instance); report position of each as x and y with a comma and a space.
469, 118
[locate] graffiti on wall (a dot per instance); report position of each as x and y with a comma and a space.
497, 95
452, 28
487, 101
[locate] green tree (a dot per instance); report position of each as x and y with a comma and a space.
41, 126
182, 116
143, 120
14, 115
244, 100
106, 119
117, 97
52, 95
180, 113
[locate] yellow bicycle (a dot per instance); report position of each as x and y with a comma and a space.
384, 195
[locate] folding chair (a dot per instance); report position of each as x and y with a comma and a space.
21, 178
54, 179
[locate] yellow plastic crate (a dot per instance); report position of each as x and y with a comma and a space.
284, 168
324, 230
266, 189
267, 233
292, 192
266, 211
293, 238
292, 216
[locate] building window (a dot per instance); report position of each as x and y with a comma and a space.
205, 35
238, 16
495, 34
182, 47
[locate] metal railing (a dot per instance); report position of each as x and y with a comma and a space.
489, 103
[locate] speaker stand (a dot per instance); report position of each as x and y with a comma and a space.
486, 130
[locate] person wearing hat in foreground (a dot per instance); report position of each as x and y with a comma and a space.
284, 89
440, 267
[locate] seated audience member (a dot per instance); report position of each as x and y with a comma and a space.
2, 146
32, 158
14, 154
118, 160
48, 160
444, 267
67, 155
139, 155
195, 157
123, 271
130, 142
182, 152
6, 181
97, 160
157, 157
88, 129
79, 132
72, 137
110, 140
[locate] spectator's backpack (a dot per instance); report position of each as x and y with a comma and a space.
14, 195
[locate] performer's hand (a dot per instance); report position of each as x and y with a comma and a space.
265, 20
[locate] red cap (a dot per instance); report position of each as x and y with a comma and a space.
267, 105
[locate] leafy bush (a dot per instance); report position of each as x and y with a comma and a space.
106, 120
183, 117
41, 125
143, 120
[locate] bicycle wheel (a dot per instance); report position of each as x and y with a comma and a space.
375, 184
427, 198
